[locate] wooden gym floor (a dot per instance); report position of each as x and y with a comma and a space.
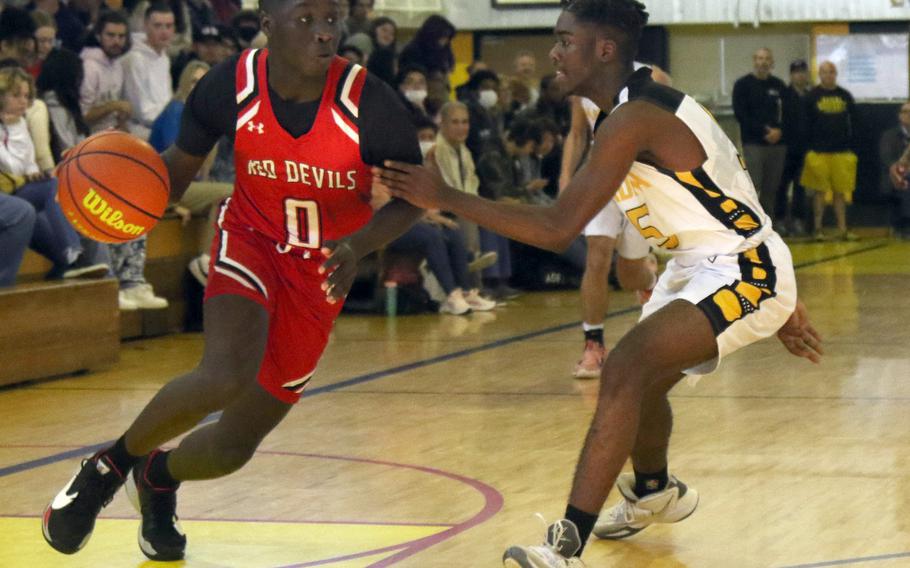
431, 441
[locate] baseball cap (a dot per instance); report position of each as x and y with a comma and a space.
798, 65
206, 33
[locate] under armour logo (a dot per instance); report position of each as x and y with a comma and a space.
254, 126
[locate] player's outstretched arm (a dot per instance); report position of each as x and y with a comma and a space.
553, 227
799, 337
389, 223
182, 168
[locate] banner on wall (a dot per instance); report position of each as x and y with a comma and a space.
871, 66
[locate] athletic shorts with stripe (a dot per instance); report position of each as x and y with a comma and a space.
747, 296
288, 286
612, 222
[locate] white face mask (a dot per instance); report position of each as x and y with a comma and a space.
488, 98
416, 96
425, 147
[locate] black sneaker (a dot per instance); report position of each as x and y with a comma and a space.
69, 520
84, 268
160, 535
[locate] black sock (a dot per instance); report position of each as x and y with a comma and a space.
584, 522
157, 474
648, 483
596, 334
118, 457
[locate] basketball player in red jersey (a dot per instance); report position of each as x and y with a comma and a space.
306, 125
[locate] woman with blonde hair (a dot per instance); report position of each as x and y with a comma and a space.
166, 126
21, 177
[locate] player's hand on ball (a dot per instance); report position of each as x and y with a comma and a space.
340, 268
799, 337
420, 185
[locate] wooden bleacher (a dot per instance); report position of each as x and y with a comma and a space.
57, 328
170, 248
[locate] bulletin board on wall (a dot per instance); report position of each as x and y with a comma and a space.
873, 67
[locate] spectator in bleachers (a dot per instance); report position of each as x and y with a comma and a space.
58, 85
525, 69
53, 236
758, 105
893, 145
426, 135
208, 47
439, 241
452, 157
382, 60
830, 168
462, 91
101, 95
17, 37
552, 105
70, 29
147, 69
791, 208
17, 224
246, 25
45, 41
514, 99
225, 10
19, 51
167, 125
412, 87
431, 48
183, 28
352, 53
482, 97
358, 20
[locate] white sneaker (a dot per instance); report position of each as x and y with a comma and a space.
557, 552
125, 303
676, 502
199, 268
478, 303
144, 297
455, 304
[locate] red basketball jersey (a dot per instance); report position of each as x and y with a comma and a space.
299, 192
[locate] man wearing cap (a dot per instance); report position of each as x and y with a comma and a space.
792, 209
207, 46
759, 108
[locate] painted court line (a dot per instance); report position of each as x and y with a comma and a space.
47, 460
846, 561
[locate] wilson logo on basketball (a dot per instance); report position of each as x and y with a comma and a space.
111, 217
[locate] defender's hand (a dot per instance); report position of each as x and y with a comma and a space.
340, 267
420, 185
799, 337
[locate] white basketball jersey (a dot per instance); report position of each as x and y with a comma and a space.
592, 111
711, 210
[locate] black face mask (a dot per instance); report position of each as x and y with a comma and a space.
247, 33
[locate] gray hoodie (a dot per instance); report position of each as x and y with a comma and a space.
103, 82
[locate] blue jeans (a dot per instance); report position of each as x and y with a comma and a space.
492, 242
444, 249
17, 222
53, 236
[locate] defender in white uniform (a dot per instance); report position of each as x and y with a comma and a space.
682, 184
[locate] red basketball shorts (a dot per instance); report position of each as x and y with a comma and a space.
287, 285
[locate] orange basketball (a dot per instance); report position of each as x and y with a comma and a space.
113, 187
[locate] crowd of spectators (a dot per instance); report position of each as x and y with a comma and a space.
89, 65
